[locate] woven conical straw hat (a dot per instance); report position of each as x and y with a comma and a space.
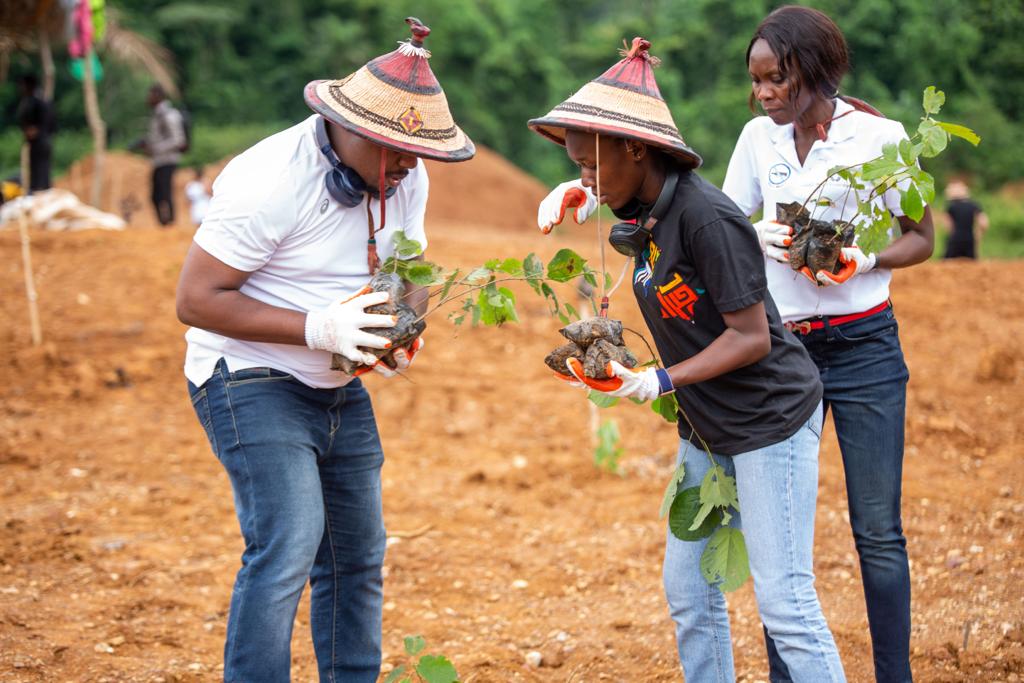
396, 102
623, 102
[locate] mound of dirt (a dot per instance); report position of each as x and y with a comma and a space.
487, 187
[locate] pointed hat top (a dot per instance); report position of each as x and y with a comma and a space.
623, 102
395, 101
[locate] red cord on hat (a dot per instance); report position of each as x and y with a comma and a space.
372, 259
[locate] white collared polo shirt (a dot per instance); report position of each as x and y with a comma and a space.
764, 171
271, 216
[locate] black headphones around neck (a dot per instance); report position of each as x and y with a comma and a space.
343, 184
630, 239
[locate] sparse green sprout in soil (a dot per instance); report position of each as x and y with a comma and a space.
426, 669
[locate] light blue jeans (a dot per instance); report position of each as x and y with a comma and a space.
778, 488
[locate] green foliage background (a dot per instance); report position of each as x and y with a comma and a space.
242, 65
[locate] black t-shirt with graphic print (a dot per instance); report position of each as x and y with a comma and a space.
704, 260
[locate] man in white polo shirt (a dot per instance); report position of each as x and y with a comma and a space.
272, 286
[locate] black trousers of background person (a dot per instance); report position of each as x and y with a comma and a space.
163, 195
39, 156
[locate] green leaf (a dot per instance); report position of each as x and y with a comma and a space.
497, 305
607, 280
873, 234
672, 488
414, 644
933, 138
609, 448
724, 560
601, 399
933, 100
591, 278
703, 512
513, 267
959, 131
550, 295
718, 488
437, 669
533, 269
478, 274
449, 282
667, 406
406, 248
926, 186
911, 203
890, 151
880, 168
570, 310
565, 265
395, 673
682, 516
908, 152
423, 273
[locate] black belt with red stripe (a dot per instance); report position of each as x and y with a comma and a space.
811, 324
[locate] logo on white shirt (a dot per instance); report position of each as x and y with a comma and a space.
323, 206
779, 173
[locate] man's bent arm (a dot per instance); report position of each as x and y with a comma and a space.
208, 298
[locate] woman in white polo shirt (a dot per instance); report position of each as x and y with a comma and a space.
796, 60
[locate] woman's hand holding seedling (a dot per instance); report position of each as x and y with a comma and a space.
855, 262
774, 239
552, 209
339, 327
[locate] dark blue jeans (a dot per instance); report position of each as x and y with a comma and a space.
865, 380
304, 466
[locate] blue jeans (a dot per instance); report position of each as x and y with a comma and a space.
304, 466
865, 380
777, 487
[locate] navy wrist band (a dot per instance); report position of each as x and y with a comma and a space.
664, 381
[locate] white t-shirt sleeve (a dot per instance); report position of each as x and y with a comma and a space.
245, 223
416, 209
742, 184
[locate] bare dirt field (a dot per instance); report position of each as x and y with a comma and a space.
118, 541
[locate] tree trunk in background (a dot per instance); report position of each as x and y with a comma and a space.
46, 56
98, 128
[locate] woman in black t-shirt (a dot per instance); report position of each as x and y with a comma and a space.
965, 221
747, 389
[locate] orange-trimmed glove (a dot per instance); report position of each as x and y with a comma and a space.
645, 385
339, 327
552, 208
855, 262
403, 359
774, 239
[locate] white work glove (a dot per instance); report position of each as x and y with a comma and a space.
855, 262
645, 385
403, 359
338, 328
774, 239
572, 193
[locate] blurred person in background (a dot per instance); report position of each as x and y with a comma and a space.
964, 219
37, 121
164, 143
198, 195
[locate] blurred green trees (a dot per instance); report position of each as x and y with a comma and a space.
242, 65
